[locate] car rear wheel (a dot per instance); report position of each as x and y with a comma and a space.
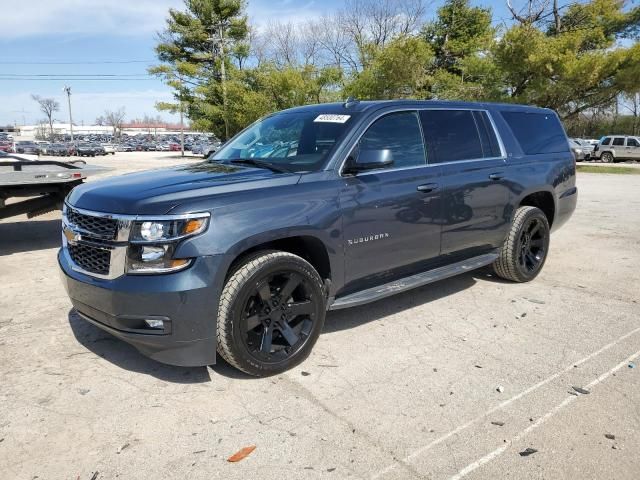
271, 312
525, 250
607, 158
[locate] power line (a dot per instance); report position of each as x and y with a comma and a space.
80, 79
102, 62
74, 75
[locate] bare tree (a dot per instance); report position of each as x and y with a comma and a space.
115, 119
374, 23
282, 42
532, 11
48, 106
100, 120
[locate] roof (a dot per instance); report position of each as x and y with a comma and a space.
365, 105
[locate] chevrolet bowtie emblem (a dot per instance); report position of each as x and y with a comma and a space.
71, 236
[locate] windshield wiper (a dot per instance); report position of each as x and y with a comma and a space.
261, 164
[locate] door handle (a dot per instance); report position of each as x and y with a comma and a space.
428, 187
496, 176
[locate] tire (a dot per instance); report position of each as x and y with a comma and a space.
525, 250
607, 157
251, 334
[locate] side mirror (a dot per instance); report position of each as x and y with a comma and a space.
371, 160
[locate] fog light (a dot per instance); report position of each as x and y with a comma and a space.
153, 323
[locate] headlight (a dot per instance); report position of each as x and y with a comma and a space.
168, 230
153, 243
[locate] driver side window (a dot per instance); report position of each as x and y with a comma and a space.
399, 132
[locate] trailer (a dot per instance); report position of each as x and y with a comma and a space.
43, 184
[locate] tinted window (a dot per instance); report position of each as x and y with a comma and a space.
537, 132
618, 141
490, 146
452, 135
632, 142
606, 141
400, 133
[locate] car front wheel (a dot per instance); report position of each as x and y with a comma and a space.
271, 312
525, 250
607, 158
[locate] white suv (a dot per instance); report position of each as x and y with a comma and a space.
617, 148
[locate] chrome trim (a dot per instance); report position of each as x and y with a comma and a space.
118, 216
147, 271
427, 164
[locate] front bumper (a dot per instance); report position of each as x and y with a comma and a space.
186, 301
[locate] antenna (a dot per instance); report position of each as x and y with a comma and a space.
351, 102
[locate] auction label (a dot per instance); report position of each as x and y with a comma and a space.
329, 118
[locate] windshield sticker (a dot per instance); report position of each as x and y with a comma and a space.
329, 118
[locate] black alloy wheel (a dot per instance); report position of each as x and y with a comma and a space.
271, 312
526, 247
533, 245
278, 316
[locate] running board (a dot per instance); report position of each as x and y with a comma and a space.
407, 283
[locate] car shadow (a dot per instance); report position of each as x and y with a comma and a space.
128, 358
29, 235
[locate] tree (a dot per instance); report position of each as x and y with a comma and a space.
48, 106
115, 119
575, 68
196, 51
397, 71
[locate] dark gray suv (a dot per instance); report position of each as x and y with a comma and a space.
308, 210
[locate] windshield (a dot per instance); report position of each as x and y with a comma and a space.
295, 142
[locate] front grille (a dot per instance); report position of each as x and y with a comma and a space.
91, 259
103, 227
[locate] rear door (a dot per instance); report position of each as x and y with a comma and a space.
464, 144
632, 150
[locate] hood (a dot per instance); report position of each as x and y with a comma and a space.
156, 192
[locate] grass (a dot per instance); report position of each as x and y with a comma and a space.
618, 170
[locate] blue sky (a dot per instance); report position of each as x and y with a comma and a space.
45, 36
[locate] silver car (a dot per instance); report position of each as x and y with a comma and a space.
617, 148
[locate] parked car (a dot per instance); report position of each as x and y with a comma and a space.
582, 149
617, 148
109, 148
174, 147
5, 146
58, 150
31, 148
244, 255
86, 150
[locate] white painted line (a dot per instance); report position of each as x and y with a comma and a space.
500, 406
499, 451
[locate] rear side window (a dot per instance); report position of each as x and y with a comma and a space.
618, 141
400, 133
490, 145
632, 142
454, 135
537, 132
606, 141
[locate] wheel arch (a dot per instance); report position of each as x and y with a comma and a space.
542, 199
309, 247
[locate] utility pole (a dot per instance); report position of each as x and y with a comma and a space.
67, 90
181, 130
218, 43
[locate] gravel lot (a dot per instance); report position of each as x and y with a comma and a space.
404, 388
